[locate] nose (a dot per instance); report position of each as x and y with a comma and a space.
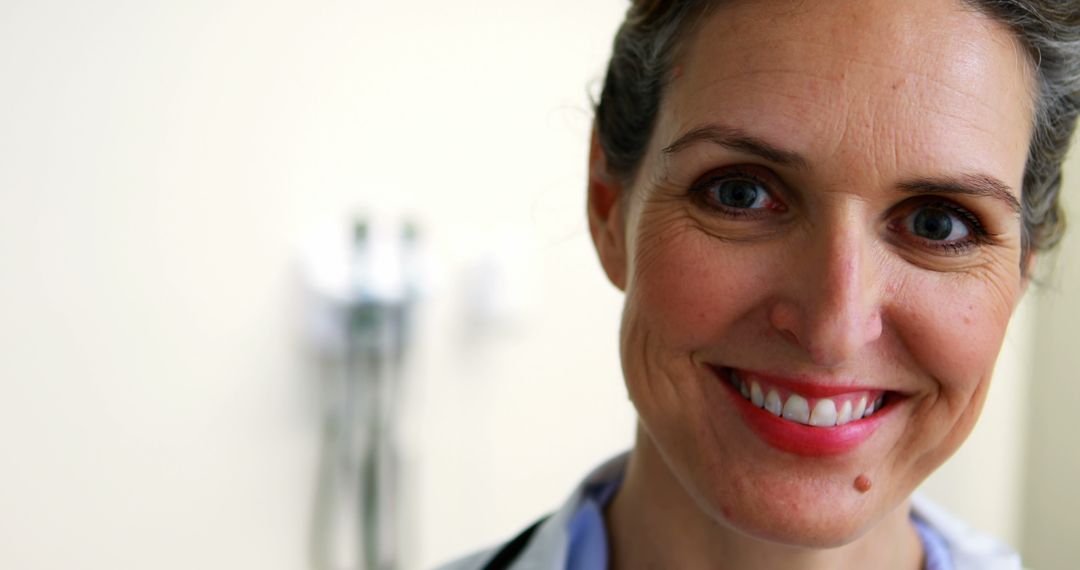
831, 304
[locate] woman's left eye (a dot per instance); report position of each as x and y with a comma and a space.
944, 225
937, 224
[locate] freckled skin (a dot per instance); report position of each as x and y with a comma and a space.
830, 288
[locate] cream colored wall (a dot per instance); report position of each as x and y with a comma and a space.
160, 165
1052, 494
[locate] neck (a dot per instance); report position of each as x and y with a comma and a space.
653, 523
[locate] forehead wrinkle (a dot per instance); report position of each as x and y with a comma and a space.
843, 76
861, 108
908, 73
847, 70
843, 40
757, 79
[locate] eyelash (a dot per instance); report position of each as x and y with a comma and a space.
700, 192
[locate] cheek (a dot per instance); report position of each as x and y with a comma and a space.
692, 289
951, 328
677, 295
954, 325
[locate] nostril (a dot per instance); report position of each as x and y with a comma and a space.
784, 317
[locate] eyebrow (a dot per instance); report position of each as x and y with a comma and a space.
739, 140
978, 185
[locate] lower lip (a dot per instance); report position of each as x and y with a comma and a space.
801, 439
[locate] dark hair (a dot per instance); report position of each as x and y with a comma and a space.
647, 43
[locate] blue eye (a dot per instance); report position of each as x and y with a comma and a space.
938, 224
740, 193
744, 192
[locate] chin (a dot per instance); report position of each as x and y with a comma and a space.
786, 502
817, 525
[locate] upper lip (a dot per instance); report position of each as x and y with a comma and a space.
813, 386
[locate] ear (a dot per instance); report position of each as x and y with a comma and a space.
605, 210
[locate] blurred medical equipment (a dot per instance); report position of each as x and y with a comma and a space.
365, 296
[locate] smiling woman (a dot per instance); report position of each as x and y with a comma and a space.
822, 215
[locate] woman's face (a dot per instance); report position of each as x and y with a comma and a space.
826, 218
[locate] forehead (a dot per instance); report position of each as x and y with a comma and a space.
918, 86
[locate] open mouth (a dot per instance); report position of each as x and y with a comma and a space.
810, 419
834, 410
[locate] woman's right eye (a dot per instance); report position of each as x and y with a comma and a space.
741, 194
737, 194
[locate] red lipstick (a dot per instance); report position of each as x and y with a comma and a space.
786, 430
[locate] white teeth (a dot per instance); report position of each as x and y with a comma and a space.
845, 413
738, 383
755, 394
797, 409
824, 414
773, 404
860, 408
875, 406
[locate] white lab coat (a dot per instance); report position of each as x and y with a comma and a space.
546, 549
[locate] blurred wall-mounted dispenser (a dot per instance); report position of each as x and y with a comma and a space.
365, 292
